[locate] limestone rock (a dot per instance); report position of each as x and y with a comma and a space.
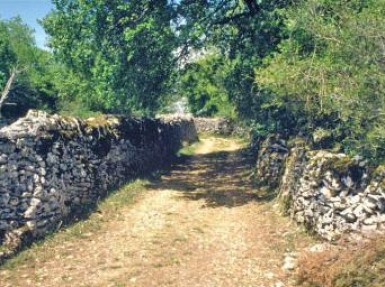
50, 165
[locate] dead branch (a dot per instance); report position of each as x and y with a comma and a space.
8, 86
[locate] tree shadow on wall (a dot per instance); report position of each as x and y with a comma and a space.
217, 179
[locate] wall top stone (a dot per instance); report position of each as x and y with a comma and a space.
51, 166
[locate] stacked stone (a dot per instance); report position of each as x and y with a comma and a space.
272, 155
330, 193
293, 170
52, 167
220, 126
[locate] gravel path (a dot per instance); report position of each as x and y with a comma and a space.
204, 224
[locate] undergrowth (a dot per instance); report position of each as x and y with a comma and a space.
188, 150
355, 265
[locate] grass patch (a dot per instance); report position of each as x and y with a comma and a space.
358, 265
3, 248
188, 150
108, 209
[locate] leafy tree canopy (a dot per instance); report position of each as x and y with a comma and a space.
121, 51
30, 86
284, 65
330, 71
244, 33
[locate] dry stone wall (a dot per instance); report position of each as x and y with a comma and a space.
52, 167
272, 153
220, 126
330, 193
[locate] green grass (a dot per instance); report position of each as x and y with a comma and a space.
188, 150
3, 248
365, 270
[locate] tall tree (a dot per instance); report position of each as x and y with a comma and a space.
21, 69
244, 31
120, 50
202, 84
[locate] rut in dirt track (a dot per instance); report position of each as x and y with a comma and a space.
203, 224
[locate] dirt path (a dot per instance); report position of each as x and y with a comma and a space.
204, 224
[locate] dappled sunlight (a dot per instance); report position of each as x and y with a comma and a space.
202, 223
220, 174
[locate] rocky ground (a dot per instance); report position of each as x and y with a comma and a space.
203, 224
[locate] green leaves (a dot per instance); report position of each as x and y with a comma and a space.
332, 65
285, 65
32, 86
202, 83
244, 33
122, 50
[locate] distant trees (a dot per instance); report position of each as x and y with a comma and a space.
290, 66
202, 83
244, 33
23, 69
122, 55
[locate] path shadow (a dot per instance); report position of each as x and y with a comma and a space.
219, 179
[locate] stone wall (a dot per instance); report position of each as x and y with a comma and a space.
272, 154
52, 167
220, 126
330, 193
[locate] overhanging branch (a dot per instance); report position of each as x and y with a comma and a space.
8, 85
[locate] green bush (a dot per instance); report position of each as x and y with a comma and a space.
331, 72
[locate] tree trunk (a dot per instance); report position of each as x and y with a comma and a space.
7, 88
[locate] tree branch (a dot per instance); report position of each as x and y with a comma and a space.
8, 85
253, 9
227, 20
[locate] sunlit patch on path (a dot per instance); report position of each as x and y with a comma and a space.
203, 224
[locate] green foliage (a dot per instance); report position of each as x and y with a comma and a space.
120, 52
244, 32
294, 66
330, 70
33, 87
202, 82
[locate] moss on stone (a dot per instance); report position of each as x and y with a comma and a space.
340, 165
102, 124
285, 202
296, 142
379, 171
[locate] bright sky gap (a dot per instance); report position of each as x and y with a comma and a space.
30, 11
